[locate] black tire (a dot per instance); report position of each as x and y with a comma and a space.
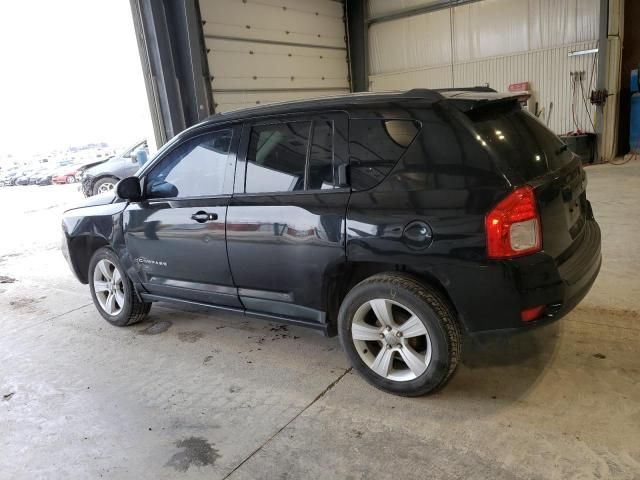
100, 182
431, 308
133, 310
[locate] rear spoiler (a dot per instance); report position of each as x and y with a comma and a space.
473, 103
467, 89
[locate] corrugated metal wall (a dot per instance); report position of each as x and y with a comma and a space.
263, 51
496, 42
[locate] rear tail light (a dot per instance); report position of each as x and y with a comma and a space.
512, 227
530, 314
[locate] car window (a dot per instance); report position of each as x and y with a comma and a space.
321, 172
196, 168
519, 140
374, 148
276, 157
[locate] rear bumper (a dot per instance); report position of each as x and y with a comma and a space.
490, 297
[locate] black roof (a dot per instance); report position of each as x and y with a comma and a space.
339, 102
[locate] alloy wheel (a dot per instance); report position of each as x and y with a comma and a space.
391, 340
106, 187
108, 287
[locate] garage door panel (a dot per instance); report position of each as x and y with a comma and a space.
274, 50
248, 46
287, 21
227, 101
278, 82
255, 65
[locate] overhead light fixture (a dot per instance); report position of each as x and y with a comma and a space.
583, 52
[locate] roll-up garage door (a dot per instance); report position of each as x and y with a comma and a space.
462, 43
266, 51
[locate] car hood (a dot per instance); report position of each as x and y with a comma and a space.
108, 166
95, 201
89, 166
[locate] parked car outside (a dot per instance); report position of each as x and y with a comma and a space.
401, 222
45, 176
35, 175
23, 177
104, 176
8, 177
80, 175
66, 175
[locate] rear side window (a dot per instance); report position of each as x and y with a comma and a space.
290, 156
375, 146
520, 141
277, 157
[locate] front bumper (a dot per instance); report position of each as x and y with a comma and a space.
86, 185
64, 248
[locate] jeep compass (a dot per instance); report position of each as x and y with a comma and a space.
401, 222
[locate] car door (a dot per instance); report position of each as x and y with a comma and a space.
176, 234
285, 223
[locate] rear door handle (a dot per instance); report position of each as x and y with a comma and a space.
203, 216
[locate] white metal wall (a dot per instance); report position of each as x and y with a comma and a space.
498, 42
263, 51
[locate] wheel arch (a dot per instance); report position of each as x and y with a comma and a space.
341, 279
81, 249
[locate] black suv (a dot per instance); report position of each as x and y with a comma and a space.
400, 221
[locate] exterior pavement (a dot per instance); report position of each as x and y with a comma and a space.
194, 395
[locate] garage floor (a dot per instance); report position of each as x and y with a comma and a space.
189, 395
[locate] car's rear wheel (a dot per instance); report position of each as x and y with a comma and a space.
401, 335
104, 185
71, 179
112, 291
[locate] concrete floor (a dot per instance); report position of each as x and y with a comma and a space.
189, 395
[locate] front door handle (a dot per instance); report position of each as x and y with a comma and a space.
202, 216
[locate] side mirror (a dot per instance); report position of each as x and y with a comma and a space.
129, 189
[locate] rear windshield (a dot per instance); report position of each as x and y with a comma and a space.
523, 143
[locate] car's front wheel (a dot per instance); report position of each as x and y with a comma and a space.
112, 291
104, 185
401, 335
